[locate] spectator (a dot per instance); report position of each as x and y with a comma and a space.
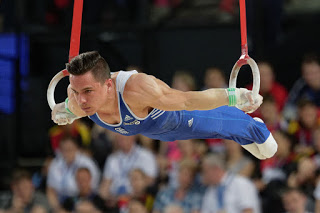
184, 194
307, 87
184, 81
302, 129
39, 179
101, 143
61, 181
214, 78
24, 198
77, 129
269, 85
139, 185
118, 165
186, 150
85, 192
271, 115
226, 191
304, 177
279, 167
236, 161
294, 201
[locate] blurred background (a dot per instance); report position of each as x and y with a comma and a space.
164, 38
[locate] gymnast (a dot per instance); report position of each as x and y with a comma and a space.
133, 103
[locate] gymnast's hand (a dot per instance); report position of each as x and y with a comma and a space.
246, 102
243, 99
61, 116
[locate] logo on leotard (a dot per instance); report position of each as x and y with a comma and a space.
121, 130
127, 118
190, 122
135, 122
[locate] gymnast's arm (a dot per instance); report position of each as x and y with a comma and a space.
152, 92
73, 105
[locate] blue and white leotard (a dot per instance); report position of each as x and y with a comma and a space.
223, 122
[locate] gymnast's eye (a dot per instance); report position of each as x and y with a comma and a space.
88, 91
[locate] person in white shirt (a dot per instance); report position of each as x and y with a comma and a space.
119, 164
226, 192
61, 181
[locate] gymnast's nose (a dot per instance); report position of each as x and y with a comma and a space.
81, 99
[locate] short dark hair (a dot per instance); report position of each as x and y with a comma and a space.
19, 175
89, 61
311, 57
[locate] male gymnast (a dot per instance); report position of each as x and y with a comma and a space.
133, 103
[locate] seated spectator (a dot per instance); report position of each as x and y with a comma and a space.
78, 129
184, 81
101, 143
302, 129
118, 165
61, 182
269, 86
280, 165
39, 179
85, 192
236, 161
304, 177
23, 197
139, 185
184, 194
294, 201
271, 115
307, 87
214, 78
186, 150
226, 192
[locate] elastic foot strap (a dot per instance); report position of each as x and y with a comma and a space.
232, 96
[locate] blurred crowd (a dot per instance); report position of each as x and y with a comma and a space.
94, 170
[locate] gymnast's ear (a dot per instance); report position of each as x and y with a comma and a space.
108, 82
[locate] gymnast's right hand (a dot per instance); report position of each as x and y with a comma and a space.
61, 116
243, 99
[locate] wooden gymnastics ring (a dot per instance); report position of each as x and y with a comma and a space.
52, 86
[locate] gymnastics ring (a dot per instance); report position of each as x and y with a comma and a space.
53, 83
243, 60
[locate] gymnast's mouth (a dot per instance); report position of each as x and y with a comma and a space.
85, 108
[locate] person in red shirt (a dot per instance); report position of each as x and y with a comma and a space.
269, 86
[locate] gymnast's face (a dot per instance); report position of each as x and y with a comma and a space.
89, 93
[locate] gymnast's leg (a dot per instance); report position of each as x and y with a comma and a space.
232, 123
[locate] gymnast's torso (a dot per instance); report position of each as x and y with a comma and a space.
158, 124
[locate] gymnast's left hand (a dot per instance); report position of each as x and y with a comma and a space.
61, 116
246, 102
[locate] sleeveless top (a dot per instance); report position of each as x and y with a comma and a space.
157, 124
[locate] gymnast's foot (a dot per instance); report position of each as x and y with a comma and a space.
264, 150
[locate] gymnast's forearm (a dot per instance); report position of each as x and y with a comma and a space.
207, 99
